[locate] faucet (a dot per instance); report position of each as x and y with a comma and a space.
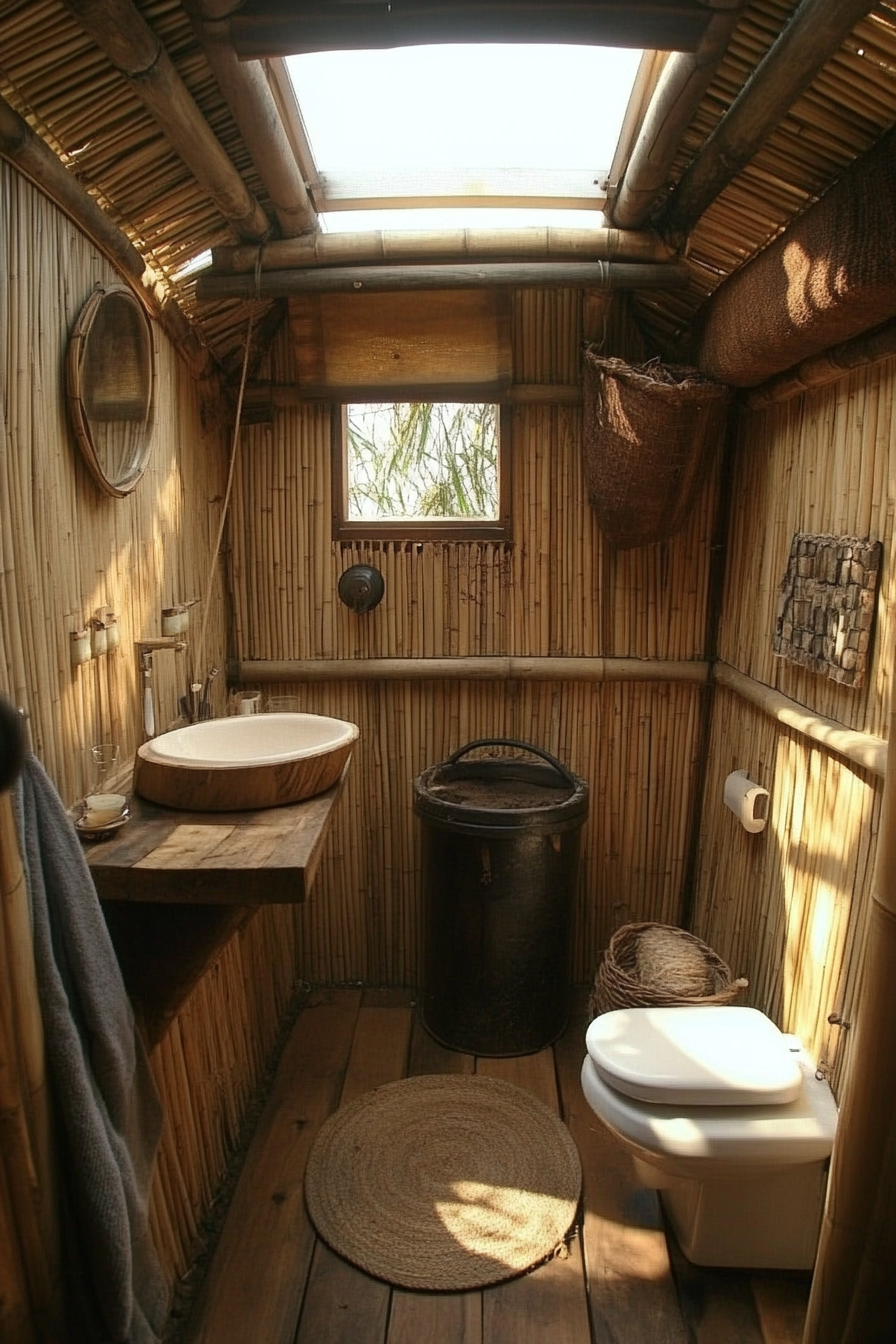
149, 717
205, 709
145, 649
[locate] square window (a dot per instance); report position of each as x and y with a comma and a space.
417, 469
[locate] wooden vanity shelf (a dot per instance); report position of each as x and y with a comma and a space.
175, 886
240, 858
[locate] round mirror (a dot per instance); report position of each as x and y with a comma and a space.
111, 387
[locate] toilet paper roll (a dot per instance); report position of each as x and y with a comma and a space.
748, 801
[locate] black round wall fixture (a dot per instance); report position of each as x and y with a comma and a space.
361, 587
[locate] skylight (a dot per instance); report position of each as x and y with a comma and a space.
470, 130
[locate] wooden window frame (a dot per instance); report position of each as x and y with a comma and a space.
403, 529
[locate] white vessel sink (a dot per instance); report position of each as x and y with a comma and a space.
243, 763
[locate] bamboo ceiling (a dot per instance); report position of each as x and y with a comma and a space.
55, 76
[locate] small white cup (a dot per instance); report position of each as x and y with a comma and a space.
101, 809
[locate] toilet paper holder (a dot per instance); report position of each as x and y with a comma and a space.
748, 801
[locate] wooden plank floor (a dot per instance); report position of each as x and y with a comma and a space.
272, 1281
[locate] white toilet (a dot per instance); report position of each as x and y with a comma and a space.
725, 1116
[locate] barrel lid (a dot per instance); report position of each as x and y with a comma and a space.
501, 791
710, 1055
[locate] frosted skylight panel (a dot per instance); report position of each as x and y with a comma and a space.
438, 219
483, 125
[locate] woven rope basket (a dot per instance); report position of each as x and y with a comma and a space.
658, 965
650, 435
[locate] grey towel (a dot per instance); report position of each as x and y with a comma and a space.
108, 1107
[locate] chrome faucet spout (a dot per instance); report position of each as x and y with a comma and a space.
149, 713
145, 650
205, 709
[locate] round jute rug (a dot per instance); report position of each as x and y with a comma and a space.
443, 1182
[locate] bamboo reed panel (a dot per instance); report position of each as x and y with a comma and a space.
788, 908
207, 1068
65, 551
824, 462
363, 917
555, 603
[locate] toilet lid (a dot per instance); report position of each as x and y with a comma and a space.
695, 1056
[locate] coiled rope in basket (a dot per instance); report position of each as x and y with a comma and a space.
658, 965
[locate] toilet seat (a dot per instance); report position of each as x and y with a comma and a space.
754, 1135
695, 1056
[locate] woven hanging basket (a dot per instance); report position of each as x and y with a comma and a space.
651, 433
660, 966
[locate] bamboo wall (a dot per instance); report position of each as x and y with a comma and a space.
786, 908
558, 589
65, 550
789, 907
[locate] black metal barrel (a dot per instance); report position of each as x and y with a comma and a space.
501, 838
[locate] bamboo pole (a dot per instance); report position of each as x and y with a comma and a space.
861, 748
684, 79
814, 34
500, 668
138, 54
36, 160
271, 28
398, 246
249, 97
262, 399
825, 368
447, 275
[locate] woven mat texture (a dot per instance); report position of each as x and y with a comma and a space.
830, 278
444, 1182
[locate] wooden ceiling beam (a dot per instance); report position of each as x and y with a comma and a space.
247, 90
681, 85
814, 34
137, 53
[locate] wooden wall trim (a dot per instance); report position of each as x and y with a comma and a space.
864, 750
